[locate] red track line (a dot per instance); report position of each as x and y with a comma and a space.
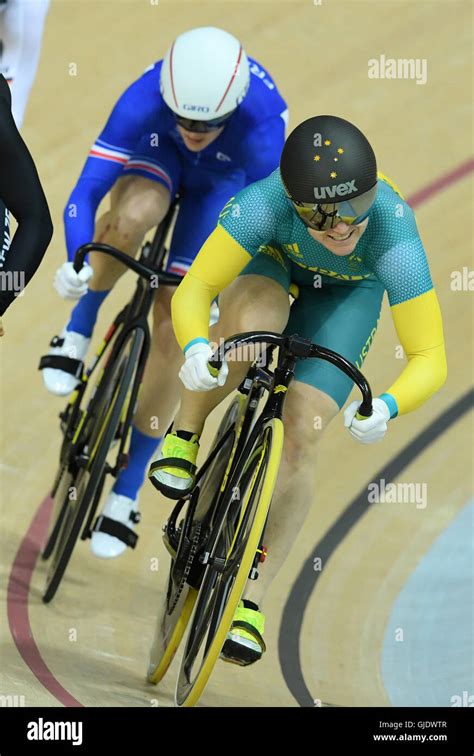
17, 603
441, 183
28, 552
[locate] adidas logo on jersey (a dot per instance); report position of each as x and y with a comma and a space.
339, 190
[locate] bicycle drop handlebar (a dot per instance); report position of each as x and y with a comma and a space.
145, 271
299, 347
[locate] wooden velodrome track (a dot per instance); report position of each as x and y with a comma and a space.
328, 631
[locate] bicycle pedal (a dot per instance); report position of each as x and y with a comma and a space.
236, 652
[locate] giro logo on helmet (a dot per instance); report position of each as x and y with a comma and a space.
340, 190
197, 108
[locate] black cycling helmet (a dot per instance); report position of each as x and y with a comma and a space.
329, 172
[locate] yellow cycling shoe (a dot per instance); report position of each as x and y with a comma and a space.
244, 644
174, 471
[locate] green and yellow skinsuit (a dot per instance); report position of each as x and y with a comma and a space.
340, 297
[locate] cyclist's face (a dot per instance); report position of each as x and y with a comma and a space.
342, 239
197, 142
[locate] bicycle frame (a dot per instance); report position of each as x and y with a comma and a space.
254, 391
132, 317
277, 383
260, 378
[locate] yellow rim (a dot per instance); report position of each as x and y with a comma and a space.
246, 562
176, 637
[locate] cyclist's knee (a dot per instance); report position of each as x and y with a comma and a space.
307, 414
254, 303
139, 207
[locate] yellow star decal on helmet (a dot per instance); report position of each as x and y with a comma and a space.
327, 142
333, 174
316, 157
340, 150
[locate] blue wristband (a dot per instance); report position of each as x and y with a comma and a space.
391, 404
199, 340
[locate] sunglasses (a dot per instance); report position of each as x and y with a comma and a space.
202, 127
324, 217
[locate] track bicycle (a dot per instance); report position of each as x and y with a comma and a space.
99, 413
215, 534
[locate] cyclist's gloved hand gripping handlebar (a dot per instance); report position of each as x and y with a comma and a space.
197, 374
218, 367
367, 428
71, 281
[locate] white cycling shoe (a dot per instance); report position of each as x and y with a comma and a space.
67, 352
113, 530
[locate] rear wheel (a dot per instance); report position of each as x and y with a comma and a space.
169, 632
234, 546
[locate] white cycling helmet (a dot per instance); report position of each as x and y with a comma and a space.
205, 75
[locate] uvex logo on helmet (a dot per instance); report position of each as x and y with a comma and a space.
336, 190
197, 108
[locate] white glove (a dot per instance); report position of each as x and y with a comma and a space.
195, 372
371, 429
69, 284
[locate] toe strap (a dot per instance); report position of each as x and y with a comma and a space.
242, 625
60, 362
182, 464
125, 534
170, 462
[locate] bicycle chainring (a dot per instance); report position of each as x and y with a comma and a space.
186, 559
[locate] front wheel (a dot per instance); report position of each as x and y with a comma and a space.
173, 619
105, 413
235, 540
